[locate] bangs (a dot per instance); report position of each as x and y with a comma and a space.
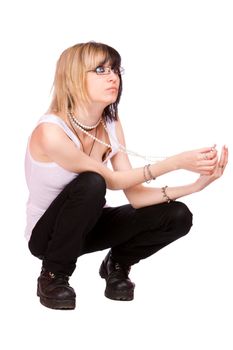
70, 82
100, 54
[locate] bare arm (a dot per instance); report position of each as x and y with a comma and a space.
54, 144
140, 196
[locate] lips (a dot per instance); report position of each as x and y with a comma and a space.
112, 89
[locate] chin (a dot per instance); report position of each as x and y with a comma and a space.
112, 100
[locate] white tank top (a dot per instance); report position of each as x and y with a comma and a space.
46, 180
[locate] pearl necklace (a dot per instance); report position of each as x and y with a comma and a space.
121, 148
73, 121
86, 127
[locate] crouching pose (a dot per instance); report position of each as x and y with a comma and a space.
67, 177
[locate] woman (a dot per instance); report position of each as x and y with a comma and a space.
67, 178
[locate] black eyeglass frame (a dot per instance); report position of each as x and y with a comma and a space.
102, 70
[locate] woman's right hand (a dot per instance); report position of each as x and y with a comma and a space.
205, 180
202, 161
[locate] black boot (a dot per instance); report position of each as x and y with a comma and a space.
54, 290
118, 284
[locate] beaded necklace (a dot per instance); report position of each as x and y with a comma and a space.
86, 127
81, 141
77, 125
122, 148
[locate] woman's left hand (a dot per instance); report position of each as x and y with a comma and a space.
204, 180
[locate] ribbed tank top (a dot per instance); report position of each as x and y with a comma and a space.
46, 180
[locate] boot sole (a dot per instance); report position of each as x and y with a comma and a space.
57, 304
112, 294
119, 295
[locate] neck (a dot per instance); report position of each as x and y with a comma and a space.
88, 116
78, 123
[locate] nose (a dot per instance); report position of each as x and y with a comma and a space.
112, 76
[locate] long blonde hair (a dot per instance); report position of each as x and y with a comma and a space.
69, 87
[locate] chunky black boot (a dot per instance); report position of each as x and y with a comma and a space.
54, 291
118, 284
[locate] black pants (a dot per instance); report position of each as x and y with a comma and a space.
76, 223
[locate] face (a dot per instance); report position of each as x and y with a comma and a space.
103, 85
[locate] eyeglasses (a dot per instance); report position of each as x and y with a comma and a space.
101, 70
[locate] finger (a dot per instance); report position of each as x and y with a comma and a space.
208, 155
212, 161
209, 162
208, 173
207, 149
209, 170
223, 158
215, 173
226, 153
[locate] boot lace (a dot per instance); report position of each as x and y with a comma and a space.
60, 278
122, 270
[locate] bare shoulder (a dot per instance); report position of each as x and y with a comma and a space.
48, 134
47, 137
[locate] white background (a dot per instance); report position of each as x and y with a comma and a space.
177, 96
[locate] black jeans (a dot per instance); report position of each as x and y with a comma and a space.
77, 223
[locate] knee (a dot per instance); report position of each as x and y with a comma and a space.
181, 218
94, 181
35, 250
91, 183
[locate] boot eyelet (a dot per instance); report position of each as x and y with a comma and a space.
117, 266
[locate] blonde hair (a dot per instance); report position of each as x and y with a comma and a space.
69, 87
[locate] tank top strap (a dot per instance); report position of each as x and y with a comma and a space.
111, 127
52, 118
